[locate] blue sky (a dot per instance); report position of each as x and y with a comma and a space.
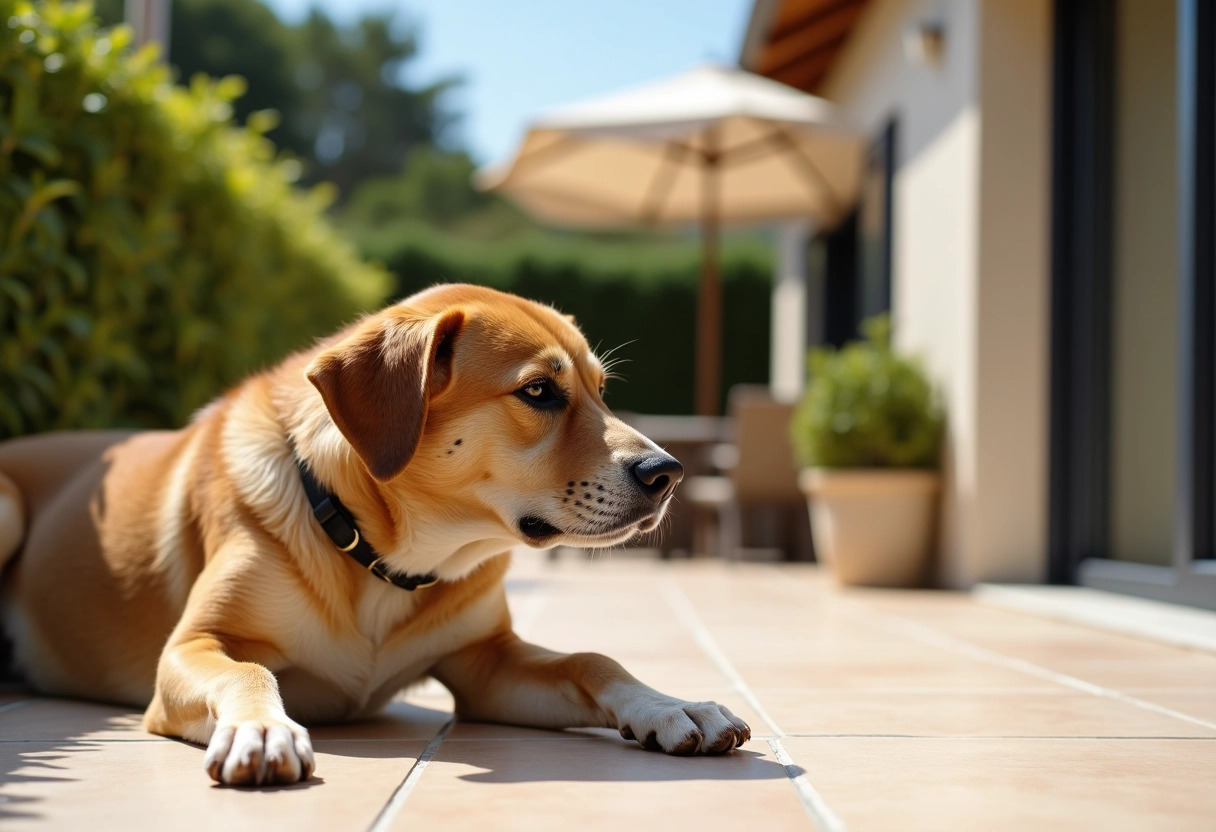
521, 57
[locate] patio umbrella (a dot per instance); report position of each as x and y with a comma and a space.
711, 146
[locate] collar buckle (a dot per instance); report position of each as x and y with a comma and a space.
339, 525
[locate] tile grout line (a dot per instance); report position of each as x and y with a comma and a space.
928, 635
686, 614
821, 814
393, 807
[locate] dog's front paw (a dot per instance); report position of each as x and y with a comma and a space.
684, 728
264, 753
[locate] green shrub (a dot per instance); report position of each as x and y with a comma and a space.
866, 407
150, 253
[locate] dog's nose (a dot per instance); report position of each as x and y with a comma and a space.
658, 475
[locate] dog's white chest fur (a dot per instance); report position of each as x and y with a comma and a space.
332, 679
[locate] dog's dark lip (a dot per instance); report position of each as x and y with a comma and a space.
537, 529
650, 523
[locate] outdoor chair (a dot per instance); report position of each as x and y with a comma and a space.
756, 499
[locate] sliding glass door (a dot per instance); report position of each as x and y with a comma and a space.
1132, 332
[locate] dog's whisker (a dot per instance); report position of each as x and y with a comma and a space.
610, 352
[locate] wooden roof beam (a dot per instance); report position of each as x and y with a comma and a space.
830, 26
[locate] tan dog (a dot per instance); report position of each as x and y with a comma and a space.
184, 571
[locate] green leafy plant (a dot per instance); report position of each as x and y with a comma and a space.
867, 407
151, 254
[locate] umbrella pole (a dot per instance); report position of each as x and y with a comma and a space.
709, 298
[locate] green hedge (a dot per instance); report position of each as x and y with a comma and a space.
150, 253
646, 311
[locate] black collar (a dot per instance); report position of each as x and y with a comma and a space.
339, 524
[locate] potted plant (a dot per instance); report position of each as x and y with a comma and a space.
868, 432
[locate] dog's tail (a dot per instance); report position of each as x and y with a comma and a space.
12, 519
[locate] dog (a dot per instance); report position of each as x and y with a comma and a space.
335, 529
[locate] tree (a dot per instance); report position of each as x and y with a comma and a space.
245, 38
364, 120
344, 107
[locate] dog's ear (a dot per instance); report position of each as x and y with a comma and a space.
378, 383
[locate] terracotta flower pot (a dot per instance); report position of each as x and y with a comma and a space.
872, 526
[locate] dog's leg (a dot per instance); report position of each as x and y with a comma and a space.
504, 679
234, 708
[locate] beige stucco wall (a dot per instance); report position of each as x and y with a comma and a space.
970, 259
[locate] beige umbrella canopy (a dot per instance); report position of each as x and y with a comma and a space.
711, 146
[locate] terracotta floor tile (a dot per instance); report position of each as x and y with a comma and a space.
1103, 658
623, 625
976, 713
995, 784
915, 668
62, 719
157, 786
598, 784
1197, 702
1164, 671
820, 660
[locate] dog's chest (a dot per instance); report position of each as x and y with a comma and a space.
336, 676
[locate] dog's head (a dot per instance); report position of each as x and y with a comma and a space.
487, 410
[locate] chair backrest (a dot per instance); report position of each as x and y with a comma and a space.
765, 470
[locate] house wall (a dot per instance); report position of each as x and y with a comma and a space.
1013, 312
970, 254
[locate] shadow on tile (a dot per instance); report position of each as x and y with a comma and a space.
398, 721
599, 759
46, 764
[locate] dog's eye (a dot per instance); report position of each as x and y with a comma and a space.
541, 393
601, 391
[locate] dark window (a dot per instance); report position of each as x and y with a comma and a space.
874, 227
850, 265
